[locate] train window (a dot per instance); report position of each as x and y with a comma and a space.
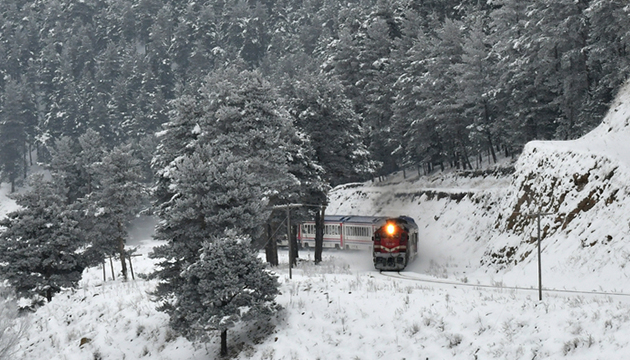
308, 228
332, 230
358, 231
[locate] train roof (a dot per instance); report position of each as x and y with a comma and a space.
354, 219
359, 219
400, 219
407, 219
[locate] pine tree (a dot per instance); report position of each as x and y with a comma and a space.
322, 112
214, 191
114, 204
223, 159
227, 285
443, 108
39, 248
72, 163
418, 137
608, 49
563, 59
360, 57
13, 124
477, 93
516, 90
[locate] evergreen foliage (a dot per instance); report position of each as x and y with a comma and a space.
550, 68
41, 242
226, 157
322, 112
14, 124
110, 207
228, 284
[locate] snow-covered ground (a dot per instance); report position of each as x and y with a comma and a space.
471, 294
343, 309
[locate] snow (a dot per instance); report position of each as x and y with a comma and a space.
471, 294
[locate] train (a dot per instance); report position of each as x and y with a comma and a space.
391, 251
395, 243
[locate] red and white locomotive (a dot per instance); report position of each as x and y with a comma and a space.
395, 243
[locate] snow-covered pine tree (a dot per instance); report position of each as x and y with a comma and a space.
228, 284
323, 112
12, 134
419, 141
65, 168
91, 153
515, 86
477, 87
39, 248
114, 204
214, 191
222, 160
609, 45
446, 112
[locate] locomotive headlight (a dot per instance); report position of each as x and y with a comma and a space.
391, 229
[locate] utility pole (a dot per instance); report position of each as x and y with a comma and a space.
538, 215
290, 240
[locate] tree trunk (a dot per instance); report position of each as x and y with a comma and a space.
271, 249
224, 349
294, 244
121, 251
464, 155
123, 262
25, 161
488, 134
319, 234
270, 239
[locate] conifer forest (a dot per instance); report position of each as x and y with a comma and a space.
207, 113
391, 83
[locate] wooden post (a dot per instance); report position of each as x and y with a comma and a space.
290, 242
539, 264
104, 276
111, 263
131, 268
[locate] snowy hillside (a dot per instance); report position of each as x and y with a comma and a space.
471, 294
585, 185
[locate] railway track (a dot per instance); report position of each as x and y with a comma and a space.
409, 276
